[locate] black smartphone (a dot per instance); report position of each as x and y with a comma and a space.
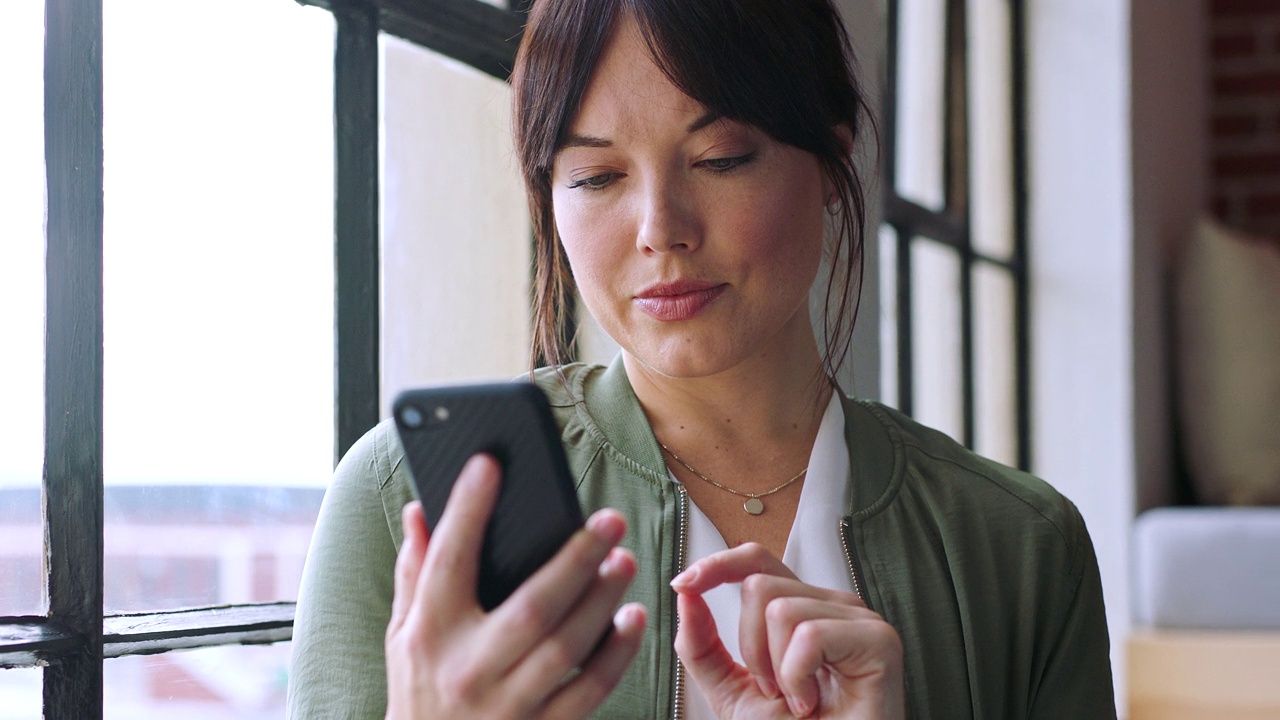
537, 510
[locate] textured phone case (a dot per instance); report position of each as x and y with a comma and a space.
537, 509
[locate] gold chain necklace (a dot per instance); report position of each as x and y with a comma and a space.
754, 505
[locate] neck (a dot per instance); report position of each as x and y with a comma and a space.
770, 404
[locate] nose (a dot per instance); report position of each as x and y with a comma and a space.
668, 218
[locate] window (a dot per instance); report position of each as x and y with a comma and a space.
191, 255
22, 319
217, 299
953, 244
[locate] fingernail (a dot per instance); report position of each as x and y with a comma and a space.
767, 686
627, 617
473, 471
799, 707
688, 577
607, 527
615, 563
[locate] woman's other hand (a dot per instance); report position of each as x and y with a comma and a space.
446, 657
809, 651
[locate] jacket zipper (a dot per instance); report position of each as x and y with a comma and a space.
682, 559
852, 562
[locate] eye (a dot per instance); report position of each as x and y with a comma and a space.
729, 164
595, 182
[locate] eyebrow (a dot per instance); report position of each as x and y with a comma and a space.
575, 140
708, 118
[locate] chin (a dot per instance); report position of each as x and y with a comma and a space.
687, 361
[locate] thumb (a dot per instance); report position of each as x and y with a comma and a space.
704, 655
408, 563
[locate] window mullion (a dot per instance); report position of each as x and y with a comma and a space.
1021, 232
906, 350
958, 173
73, 487
470, 31
356, 311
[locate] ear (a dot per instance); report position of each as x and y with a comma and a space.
845, 137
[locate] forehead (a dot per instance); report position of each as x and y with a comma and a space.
627, 88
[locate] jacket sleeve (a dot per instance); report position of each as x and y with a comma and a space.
338, 669
1076, 682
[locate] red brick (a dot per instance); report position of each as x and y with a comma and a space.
1234, 45
1268, 204
1235, 125
1251, 164
1231, 8
264, 578
1263, 83
167, 680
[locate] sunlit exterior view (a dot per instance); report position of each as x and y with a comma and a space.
218, 304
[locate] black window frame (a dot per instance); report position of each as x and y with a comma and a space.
912, 222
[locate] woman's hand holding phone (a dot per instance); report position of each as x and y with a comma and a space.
446, 657
809, 651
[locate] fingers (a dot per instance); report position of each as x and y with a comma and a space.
729, 566
783, 616
443, 649
771, 605
408, 563
539, 605
764, 579
866, 654
452, 561
601, 674
573, 641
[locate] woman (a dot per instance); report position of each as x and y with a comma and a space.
687, 162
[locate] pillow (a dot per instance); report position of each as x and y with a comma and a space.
1227, 304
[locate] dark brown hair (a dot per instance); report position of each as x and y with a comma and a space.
784, 67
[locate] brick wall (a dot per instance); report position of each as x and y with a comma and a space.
1245, 101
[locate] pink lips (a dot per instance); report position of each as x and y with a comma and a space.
680, 300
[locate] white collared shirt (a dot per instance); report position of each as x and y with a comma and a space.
813, 549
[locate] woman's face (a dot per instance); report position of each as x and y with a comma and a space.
694, 240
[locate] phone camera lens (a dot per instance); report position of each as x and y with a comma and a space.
442, 413
411, 417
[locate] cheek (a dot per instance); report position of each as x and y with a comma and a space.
589, 243
782, 229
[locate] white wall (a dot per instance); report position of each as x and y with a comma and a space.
860, 375
455, 228
1082, 275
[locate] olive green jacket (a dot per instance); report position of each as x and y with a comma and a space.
987, 573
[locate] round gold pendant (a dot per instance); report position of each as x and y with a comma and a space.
753, 506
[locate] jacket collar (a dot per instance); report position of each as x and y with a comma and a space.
612, 404
873, 461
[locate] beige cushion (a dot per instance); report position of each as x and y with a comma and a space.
1228, 318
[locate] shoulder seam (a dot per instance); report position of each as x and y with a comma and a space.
1071, 550
382, 458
